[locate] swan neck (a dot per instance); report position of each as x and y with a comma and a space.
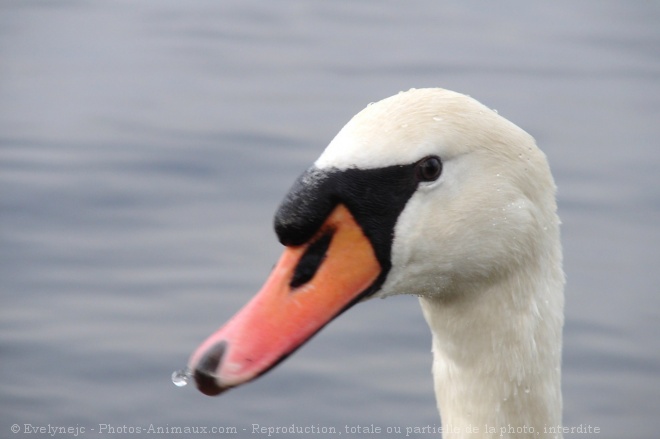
497, 357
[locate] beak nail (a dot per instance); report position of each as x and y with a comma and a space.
205, 372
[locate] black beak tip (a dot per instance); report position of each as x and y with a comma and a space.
205, 376
207, 384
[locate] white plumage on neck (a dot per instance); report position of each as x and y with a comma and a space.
497, 356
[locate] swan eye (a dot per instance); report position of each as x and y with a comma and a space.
429, 169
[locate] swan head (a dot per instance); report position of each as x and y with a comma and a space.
427, 192
491, 209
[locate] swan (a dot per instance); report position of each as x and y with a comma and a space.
428, 193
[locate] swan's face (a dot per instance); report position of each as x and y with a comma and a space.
480, 216
420, 193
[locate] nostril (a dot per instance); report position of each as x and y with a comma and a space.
205, 372
311, 261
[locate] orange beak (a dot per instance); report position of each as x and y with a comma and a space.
309, 286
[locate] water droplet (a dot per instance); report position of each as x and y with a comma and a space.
437, 118
370, 104
526, 389
181, 377
496, 112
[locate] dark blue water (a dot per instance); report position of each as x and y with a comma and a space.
145, 146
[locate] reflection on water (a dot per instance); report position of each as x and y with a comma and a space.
144, 149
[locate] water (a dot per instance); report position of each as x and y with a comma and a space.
144, 148
180, 378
